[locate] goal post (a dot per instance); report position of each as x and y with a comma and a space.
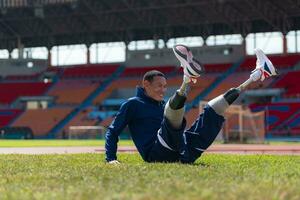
86, 132
241, 125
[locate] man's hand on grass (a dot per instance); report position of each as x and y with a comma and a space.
114, 162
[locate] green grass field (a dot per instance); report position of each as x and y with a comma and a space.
86, 176
61, 143
57, 143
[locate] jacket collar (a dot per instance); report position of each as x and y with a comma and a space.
141, 93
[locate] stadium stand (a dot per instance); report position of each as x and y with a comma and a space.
72, 91
204, 82
289, 82
120, 83
41, 120
82, 119
22, 77
218, 68
280, 61
294, 124
55, 131
234, 80
7, 115
14, 90
77, 83
89, 71
279, 115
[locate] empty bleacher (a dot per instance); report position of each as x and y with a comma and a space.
279, 61
72, 91
11, 91
294, 123
7, 115
120, 83
218, 68
202, 83
41, 121
289, 82
278, 115
235, 80
89, 71
22, 77
82, 119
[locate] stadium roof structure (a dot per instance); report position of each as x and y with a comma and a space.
48, 23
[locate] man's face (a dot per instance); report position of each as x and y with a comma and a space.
157, 88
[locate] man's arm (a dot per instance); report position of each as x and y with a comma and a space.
122, 118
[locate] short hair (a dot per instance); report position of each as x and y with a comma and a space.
149, 76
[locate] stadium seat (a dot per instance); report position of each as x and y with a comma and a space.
22, 77
89, 71
82, 119
7, 115
289, 82
11, 91
72, 91
41, 121
219, 68
279, 61
235, 80
279, 115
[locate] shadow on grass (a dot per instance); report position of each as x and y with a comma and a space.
201, 164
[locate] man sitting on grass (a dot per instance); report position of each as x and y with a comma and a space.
158, 129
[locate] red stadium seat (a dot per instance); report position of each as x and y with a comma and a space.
72, 91
11, 91
279, 61
88, 71
41, 121
217, 67
278, 114
7, 115
22, 77
289, 82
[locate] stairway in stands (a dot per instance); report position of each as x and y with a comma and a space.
88, 101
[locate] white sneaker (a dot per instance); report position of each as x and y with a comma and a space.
192, 68
264, 67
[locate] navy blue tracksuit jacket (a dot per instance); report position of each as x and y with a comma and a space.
144, 116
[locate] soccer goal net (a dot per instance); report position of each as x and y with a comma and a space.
241, 125
86, 132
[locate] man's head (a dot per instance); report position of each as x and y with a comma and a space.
155, 84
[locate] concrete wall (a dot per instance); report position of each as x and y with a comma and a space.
205, 54
20, 66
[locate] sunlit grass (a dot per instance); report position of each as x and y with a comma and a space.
86, 176
57, 143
